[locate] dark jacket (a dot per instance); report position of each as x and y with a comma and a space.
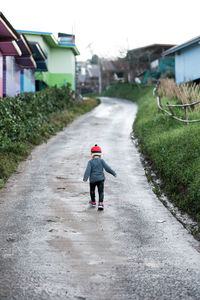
95, 169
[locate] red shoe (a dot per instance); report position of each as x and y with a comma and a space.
100, 206
93, 203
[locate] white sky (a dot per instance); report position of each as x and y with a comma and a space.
110, 26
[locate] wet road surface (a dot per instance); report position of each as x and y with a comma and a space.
54, 246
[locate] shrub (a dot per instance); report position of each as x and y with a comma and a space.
31, 118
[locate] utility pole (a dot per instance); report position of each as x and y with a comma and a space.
100, 78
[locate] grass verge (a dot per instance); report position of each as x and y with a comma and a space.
171, 148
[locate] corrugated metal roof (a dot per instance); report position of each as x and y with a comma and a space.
153, 46
93, 71
107, 65
182, 46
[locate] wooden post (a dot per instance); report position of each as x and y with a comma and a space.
170, 109
158, 100
186, 114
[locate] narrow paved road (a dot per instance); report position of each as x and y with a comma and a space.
54, 246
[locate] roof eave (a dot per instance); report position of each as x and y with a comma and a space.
48, 36
33, 32
180, 47
70, 46
17, 48
41, 52
51, 40
9, 27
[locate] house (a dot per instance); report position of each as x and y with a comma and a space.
41, 65
108, 73
10, 49
60, 58
187, 62
140, 59
94, 78
27, 66
17, 64
88, 78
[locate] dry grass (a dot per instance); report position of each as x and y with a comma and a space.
185, 93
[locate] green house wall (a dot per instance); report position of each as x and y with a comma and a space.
61, 64
57, 79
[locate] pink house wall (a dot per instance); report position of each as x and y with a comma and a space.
1, 75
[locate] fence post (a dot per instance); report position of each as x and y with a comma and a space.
186, 114
170, 109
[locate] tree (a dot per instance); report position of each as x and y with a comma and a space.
94, 60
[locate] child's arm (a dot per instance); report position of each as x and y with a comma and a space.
108, 169
87, 172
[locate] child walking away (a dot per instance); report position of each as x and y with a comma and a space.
94, 172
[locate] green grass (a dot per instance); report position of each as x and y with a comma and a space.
171, 147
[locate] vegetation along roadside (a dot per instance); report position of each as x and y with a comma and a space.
30, 119
171, 148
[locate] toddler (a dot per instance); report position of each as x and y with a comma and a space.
94, 172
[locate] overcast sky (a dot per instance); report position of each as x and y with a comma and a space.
108, 27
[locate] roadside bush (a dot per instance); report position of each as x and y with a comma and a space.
31, 118
126, 91
22, 117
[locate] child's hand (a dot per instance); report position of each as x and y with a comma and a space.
84, 180
115, 175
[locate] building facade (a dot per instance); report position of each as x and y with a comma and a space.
17, 65
60, 58
34, 60
187, 63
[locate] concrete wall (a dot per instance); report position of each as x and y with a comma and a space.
62, 61
187, 64
62, 67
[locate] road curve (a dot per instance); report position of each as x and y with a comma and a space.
54, 246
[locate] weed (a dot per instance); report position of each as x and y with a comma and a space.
185, 93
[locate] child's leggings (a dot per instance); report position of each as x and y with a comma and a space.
100, 186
